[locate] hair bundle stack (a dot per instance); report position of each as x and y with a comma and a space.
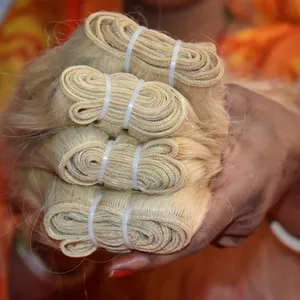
94, 129
103, 43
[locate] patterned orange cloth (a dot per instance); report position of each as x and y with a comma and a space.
34, 25
265, 11
23, 36
271, 48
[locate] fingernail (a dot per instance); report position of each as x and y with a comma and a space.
120, 273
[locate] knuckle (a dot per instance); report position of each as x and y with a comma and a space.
204, 237
246, 226
230, 241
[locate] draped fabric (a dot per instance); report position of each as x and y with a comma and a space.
31, 26
270, 47
23, 35
265, 11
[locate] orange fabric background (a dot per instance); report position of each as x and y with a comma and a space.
270, 48
23, 36
34, 25
266, 11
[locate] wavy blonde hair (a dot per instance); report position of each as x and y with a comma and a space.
58, 143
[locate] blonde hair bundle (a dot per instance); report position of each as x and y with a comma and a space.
76, 154
120, 101
86, 156
158, 224
135, 48
83, 95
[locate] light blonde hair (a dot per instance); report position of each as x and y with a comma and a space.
47, 136
103, 41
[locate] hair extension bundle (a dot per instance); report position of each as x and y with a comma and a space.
120, 101
121, 221
133, 51
83, 95
86, 156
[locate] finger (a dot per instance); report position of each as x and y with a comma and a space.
245, 225
239, 231
137, 261
230, 241
239, 102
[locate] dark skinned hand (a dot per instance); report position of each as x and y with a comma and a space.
261, 164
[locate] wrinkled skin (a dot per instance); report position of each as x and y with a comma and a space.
261, 171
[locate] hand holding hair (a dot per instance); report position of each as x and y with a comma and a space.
261, 163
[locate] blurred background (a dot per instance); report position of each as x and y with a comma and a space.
28, 27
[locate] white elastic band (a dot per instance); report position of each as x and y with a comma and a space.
130, 48
104, 161
131, 104
107, 97
174, 62
94, 205
135, 166
125, 220
285, 237
298, 88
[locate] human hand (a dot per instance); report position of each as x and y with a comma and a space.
261, 163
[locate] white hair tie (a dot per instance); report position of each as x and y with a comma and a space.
93, 208
285, 237
135, 166
104, 161
131, 104
107, 97
125, 220
130, 48
174, 62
